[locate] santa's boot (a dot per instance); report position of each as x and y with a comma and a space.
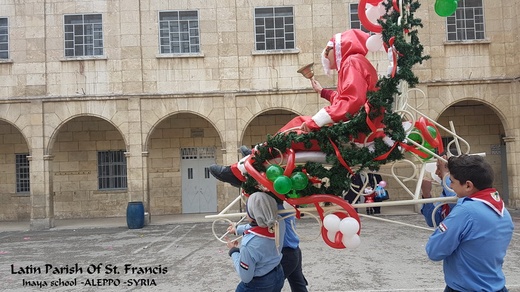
245, 150
227, 174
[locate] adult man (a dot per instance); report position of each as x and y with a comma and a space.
426, 187
472, 240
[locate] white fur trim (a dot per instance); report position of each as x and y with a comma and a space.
322, 118
338, 50
241, 166
388, 141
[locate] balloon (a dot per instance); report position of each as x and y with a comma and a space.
373, 2
415, 136
331, 223
382, 184
299, 180
432, 130
351, 242
273, 171
282, 184
382, 9
349, 227
373, 14
429, 147
363, 17
331, 235
431, 167
445, 8
374, 42
293, 195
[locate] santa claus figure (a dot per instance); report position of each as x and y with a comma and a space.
345, 52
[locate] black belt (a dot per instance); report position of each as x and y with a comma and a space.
272, 271
449, 289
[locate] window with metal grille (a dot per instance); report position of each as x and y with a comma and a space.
22, 173
274, 28
179, 32
83, 35
112, 170
4, 38
354, 18
467, 23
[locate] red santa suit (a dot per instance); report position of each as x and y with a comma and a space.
356, 76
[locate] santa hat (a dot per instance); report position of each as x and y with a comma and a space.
349, 42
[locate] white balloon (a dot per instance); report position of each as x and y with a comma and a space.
373, 14
381, 8
351, 242
349, 227
431, 167
374, 42
331, 222
332, 235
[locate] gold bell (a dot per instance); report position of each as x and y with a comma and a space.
307, 71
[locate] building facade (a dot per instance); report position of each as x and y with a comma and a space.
106, 102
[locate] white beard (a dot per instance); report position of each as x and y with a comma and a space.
326, 64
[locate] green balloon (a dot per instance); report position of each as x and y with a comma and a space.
299, 180
282, 184
273, 171
429, 147
432, 131
293, 195
415, 136
445, 8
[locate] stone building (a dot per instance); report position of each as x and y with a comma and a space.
106, 102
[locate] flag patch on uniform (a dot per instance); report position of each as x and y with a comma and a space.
244, 266
443, 227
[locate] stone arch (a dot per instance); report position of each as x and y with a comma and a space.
497, 110
159, 121
15, 205
484, 126
55, 132
73, 166
166, 168
266, 126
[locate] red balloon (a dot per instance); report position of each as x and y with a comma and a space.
364, 19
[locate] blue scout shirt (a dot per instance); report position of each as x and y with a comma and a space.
258, 255
472, 241
441, 213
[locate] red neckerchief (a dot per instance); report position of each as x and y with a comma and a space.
491, 198
445, 211
260, 231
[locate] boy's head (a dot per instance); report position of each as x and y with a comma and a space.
469, 174
262, 209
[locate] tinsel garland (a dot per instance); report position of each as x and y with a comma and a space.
335, 178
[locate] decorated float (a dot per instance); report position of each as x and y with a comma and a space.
318, 180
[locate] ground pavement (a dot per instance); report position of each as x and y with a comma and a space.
180, 253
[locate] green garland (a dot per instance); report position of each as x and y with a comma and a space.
358, 158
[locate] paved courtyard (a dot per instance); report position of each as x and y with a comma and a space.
183, 255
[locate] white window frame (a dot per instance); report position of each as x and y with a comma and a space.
180, 35
4, 39
83, 37
467, 23
355, 23
112, 170
274, 31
